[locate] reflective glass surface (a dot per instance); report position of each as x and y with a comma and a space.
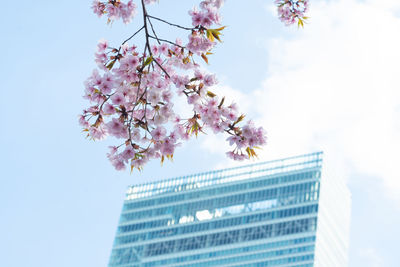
265, 214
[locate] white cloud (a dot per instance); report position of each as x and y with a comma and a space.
371, 257
334, 86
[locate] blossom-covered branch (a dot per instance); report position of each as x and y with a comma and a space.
132, 95
292, 11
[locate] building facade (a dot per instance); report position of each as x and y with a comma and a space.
277, 213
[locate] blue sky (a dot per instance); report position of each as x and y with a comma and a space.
332, 86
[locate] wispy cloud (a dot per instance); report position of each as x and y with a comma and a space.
371, 257
334, 87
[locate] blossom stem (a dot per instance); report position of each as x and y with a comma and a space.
152, 29
166, 41
172, 24
133, 35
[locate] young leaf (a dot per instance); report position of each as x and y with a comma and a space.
205, 58
211, 94
110, 65
222, 102
186, 60
221, 28
148, 61
210, 36
216, 34
300, 23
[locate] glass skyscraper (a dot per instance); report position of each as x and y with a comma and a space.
285, 212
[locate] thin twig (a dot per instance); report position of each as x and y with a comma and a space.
163, 40
172, 24
132, 36
147, 45
161, 67
152, 29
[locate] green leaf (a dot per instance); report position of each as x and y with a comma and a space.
241, 117
213, 34
221, 103
210, 36
216, 34
111, 64
148, 61
300, 23
211, 94
205, 58
221, 28
186, 60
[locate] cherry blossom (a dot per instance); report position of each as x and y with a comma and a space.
292, 11
133, 90
115, 9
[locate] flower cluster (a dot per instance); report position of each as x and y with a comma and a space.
292, 11
208, 13
132, 95
115, 9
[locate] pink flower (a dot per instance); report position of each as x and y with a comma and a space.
233, 107
127, 11
197, 19
98, 8
98, 132
199, 44
167, 148
102, 45
247, 131
155, 50
290, 11
213, 102
210, 80
207, 20
158, 133
113, 150
153, 98
199, 74
118, 162
230, 154
132, 61
118, 99
112, 11
164, 49
116, 128
193, 99
233, 139
83, 122
166, 95
217, 128
135, 134
108, 109
139, 163
128, 153
180, 81
173, 136
232, 116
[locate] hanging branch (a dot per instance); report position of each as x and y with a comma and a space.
131, 97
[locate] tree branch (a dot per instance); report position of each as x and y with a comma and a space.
132, 36
172, 24
166, 41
